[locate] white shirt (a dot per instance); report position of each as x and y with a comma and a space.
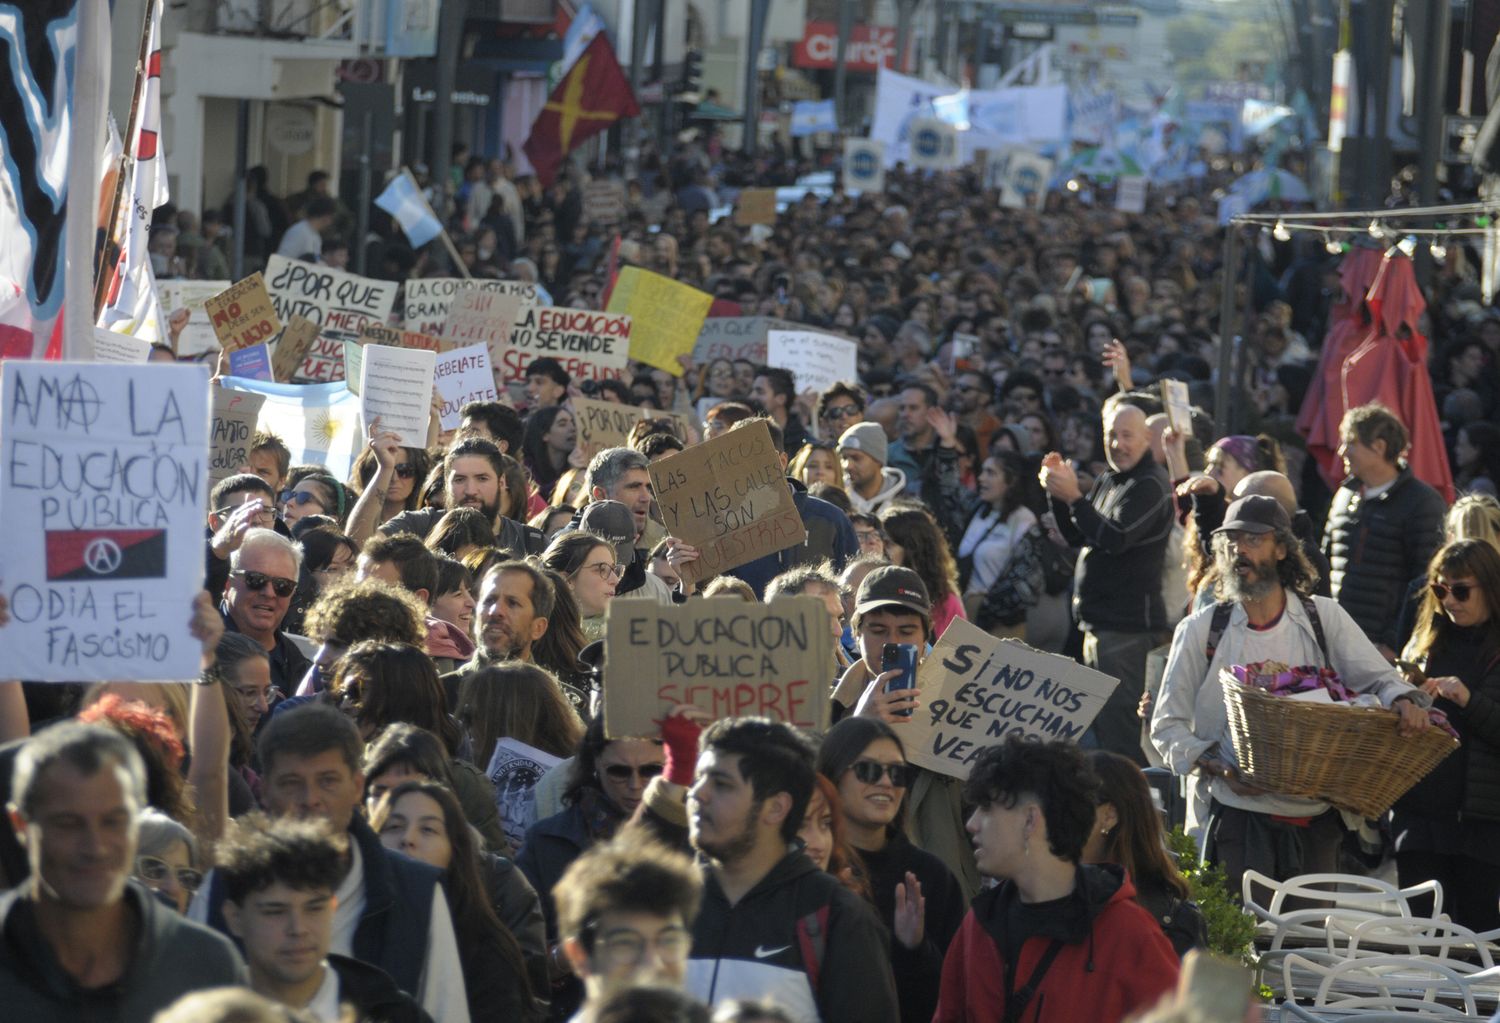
991, 544
299, 240
325, 1004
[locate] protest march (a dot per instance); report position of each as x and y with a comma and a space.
543, 515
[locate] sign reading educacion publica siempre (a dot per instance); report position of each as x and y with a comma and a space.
103, 497
729, 498
590, 345
977, 689
727, 657
340, 303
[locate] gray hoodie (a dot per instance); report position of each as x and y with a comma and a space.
892, 485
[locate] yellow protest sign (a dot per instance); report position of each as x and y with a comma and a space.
665, 315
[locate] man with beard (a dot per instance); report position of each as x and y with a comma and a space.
1266, 612
772, 925
473, 477
515, 601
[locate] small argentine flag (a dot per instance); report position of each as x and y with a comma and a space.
403, 200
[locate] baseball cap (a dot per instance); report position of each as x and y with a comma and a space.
612, 522
892, 584
1255, 513
868, 438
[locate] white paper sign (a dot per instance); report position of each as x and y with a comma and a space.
428, 299
934, 144
1130, 194
463, 375
864, 165
103, 494
396, 385
515, 768
198, 336
1027, 177
110, 346
818, 361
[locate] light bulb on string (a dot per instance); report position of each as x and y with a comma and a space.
1375, 229
1439, 251
1333, 247
1280, 233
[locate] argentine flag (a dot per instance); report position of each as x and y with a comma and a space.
403, 200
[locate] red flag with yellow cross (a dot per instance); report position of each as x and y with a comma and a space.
593, 95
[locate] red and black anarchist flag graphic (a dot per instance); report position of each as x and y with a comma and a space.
82, 555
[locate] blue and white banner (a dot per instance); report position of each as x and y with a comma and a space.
319, 422
812, 116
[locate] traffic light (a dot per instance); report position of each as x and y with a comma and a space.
692, 72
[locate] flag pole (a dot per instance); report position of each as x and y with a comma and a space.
107, 261
458, 260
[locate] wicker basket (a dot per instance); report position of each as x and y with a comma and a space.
1348, 756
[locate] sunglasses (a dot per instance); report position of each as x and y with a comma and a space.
405, 470
300, 497
256, 581
869, 772
624, 772
841, 412
1460, 591
152, 868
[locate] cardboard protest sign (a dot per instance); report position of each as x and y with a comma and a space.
727, 657
1179, 408
242, 315
515, 768
103, 496
604, 202
340, 303
478, 316
728, 498
292, 348
736, 337
198, 335
462, 375
755, 206
252, 362
395, 384
428, 299
667, 315
393, 337
111, 346
607, 424
230, 431
817, 361
977, 689
590, 345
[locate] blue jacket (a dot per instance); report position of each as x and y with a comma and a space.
830, 537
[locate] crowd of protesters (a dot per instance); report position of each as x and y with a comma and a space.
310, 826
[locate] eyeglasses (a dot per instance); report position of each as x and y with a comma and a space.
865, 536
1245, 540
624, 772
628, 948
153, 868
870, 772
256, 581
841, 412
405, 470
300, 497
605, 570
1460, 591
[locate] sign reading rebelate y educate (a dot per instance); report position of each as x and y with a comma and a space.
729, 498
341, 304
103, 496
977, 689
243, 314
724, 656
428, 299
590, 345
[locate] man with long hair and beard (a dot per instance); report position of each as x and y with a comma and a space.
1265, 612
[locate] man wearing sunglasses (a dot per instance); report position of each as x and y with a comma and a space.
257, 595
1266, 612
239, 504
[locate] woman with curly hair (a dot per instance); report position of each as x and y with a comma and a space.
355, 610
914, 540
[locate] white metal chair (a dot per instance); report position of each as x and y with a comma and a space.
1350, 895
1293, 1012
1380, 983
1439, 939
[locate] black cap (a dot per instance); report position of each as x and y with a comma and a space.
1255, 513
892, 584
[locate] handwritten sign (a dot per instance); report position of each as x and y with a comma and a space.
728, 498
103, 495
429, 299
341, 304
755, 206
977, 689
292, 348
243, 315
198, 335
393, 337
235, 414
728, 657
462, 375
590, 345
112, 346
737, 337
479, 316
396, 385
817, 361
604, 201
667, 316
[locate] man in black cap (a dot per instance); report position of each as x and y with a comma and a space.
1265, 612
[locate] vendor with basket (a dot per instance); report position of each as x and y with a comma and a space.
1265, 613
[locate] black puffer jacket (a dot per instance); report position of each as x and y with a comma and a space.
1375, 547
1466, 784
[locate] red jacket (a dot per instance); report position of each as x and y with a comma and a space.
1117, 964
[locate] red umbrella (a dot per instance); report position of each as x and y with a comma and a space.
1375, 352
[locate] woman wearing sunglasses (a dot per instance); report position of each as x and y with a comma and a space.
404, 493
1448, 826
913, 891
314, 494
592, 571
166, 860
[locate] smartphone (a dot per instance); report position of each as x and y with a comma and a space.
902, 657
